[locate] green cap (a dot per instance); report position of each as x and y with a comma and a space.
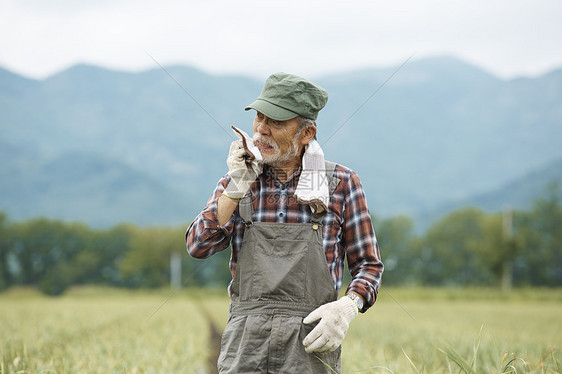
286, 96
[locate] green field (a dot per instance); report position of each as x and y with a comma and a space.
92, 330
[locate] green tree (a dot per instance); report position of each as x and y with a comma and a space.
40, 253
100, 254
147, 262
446, 253
37, 247
500, 247
5, 280
540, 262
212, 271
71, 243
396, 239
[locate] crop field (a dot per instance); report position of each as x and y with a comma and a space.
92, 330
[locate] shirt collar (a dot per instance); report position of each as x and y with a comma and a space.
269, 172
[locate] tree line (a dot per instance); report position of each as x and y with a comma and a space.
468, 247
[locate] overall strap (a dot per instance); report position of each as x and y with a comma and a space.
333, 182
246, 209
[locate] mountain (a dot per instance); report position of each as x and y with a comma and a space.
443, 131
86, 187
106, 146
520, 193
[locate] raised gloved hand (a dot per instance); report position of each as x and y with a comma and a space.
334, 322
243, 166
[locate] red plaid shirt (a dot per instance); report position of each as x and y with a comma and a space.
347, 227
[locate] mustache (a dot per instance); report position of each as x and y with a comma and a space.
264, 141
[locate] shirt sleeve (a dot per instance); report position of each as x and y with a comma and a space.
363, 255
205, 236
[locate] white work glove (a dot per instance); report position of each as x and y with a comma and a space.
243, 171
334, 323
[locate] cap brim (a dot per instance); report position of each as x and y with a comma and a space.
271, 110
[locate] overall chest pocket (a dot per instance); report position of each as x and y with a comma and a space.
277, 271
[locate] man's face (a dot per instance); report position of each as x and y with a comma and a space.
277, 140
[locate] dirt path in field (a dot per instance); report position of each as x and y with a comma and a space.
215, 334
215, 346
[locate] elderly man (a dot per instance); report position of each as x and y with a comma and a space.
291, 218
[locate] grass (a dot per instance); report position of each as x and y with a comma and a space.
429, 331
99, 333
90, 330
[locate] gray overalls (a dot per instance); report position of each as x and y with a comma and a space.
281, 276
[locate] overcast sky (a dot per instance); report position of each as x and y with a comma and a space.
257, 37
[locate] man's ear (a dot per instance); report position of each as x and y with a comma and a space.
308, 134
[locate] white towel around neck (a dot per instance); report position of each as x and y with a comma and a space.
312, 188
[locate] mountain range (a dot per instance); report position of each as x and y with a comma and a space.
103, 146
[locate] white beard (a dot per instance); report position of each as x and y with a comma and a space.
278, 159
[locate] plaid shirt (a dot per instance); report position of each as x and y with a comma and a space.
347, 227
